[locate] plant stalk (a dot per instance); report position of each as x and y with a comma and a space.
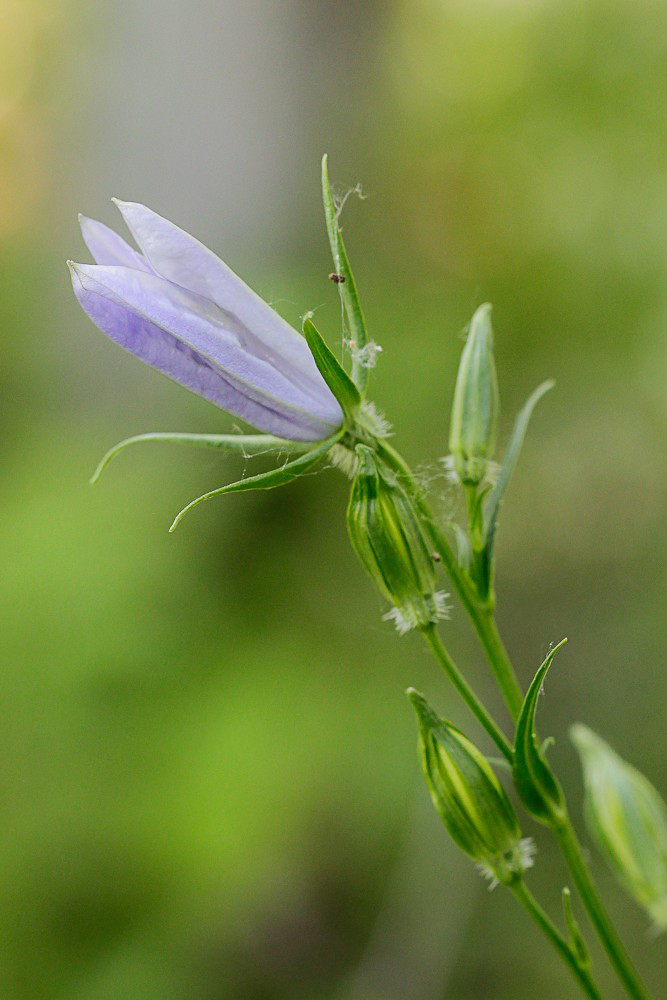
549, 929
487, 631
466, 692
611, 942
482, 618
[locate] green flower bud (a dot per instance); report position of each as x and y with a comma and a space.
471, 801
628, 819
387, 535
472, 434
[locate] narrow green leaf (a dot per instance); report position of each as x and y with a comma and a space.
247, 445
264, 480
332, 371
495, 497
534, 779
347, 288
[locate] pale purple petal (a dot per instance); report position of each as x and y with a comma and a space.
210, 332
158, 323
182, 259
107, 247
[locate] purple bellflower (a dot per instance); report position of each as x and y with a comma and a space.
179, 308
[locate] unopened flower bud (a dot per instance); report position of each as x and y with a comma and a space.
628, 819
387, 535
471, 801
476, 403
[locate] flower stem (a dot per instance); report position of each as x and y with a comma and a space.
549, 929
482, 618
487, 630
463, 688
571, 848
484, 623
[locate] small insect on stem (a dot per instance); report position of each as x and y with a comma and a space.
338, 279
436, 557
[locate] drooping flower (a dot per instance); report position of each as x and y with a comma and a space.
179, 308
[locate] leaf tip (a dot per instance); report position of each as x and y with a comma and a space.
101, 466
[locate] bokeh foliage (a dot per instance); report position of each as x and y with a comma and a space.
210, 782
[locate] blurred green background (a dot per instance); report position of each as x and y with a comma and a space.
209, 779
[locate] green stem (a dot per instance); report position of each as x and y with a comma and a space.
485, 626
483, 622
487, 630
482, 618
569, 845
470, 698
546, 925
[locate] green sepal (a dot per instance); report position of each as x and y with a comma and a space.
495, 497
247, 445
575, 937
265, 480
332, 371
347, 288
535, 781
476, 499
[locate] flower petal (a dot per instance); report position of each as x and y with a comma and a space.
107, 247
170, 355
204, 328
181, 258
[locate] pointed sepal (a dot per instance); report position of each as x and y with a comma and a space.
246, 445
535, 781
347, 287
264, 480
494, 498
331, 370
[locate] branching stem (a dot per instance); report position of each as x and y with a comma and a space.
549, 929
571, 849
481, 616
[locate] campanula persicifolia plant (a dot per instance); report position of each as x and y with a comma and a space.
179, 308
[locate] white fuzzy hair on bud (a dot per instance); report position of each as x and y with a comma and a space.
405, 617
521, 859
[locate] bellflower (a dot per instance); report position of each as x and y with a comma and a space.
179, 308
